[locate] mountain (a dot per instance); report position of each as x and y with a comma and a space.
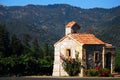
110, 31
47, 22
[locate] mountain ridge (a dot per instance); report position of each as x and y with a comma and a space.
48, 22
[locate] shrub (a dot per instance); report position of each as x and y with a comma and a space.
71, 66
94, 72
105, 72
117, 60
117, 68
91, 72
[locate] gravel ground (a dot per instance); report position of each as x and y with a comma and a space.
58, 78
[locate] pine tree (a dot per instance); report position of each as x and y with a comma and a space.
17, 47
26, 42
4, 41
36, 47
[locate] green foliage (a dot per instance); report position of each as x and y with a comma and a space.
16, 46
105, 72
45, 21
71, 66
19, 58
110, 32
99, 73
24, 65
117, 60
36, 50
91, 72
4, 41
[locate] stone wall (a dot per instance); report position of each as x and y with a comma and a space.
60, 48
90, 55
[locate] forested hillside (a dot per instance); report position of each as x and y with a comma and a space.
110, 32
21, 58
27, 34
47, 22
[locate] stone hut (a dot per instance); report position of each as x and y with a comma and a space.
92, 51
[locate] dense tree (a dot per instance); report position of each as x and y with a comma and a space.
16, 47
27, 39
26, 42
4, 41
23, 58
36, 48
117, 60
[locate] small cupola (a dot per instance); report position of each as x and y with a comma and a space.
72, 27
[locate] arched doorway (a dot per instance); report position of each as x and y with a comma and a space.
108, 60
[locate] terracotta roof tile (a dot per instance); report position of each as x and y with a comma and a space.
108, 45
86, 38
71, 24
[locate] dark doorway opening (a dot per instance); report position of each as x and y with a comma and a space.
108, 60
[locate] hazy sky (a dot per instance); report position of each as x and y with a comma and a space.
78, 3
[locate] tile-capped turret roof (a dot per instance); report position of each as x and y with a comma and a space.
71, 24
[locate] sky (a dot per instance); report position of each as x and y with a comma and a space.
77, 3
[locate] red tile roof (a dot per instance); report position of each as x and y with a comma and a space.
86, 38
71, 24
83, 38
108, 45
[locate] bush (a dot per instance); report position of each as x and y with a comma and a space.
105, 72
117, 68
117, 61
102, 72
71, 66
91, 72
24, 65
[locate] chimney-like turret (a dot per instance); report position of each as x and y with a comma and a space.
72, 27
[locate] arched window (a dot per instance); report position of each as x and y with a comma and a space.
96, 56
68, 53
